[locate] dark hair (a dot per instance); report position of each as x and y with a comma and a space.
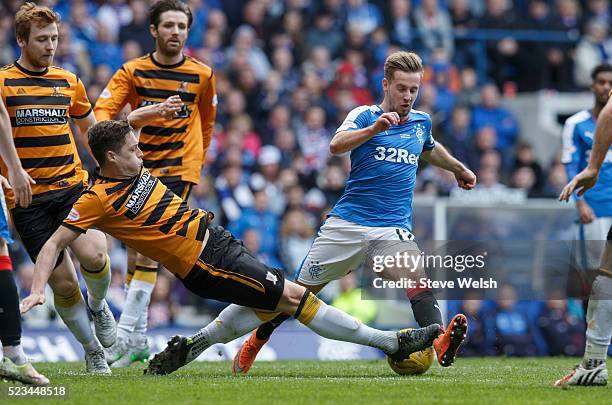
169, 5
105, 136
30, 13
604, 67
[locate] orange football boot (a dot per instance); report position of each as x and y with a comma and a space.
447, 344
247, 353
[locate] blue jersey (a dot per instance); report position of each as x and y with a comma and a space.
578, 134
383, 170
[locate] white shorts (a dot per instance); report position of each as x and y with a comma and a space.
591, 241
341, 246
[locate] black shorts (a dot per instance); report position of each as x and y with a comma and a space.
610, 233
177, 186
36, 223
227, 271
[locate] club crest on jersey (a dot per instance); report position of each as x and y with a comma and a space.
419, 134
271, 277
183, 87
56, 92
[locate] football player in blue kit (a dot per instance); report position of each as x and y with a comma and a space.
374, 215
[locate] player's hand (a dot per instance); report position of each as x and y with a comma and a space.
581, 182
466, 179
170, 106
20, 182
385, 121
31, 301
585, 212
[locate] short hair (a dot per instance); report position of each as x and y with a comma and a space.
29, 14
604, 67
169, 5
404, 61
107, 136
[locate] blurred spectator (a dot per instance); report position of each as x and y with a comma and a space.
261, 218
203, 195
113, 14
7, 53
252, 241
400, 24
593, 49
524, 178
323, 34
480, 340
434, 27
513, 332
333, 183
137, 29
162, 309
269, 178
245, 51
354, 301
363, 14
296, 237
491, 113
234, 194
599, 10
525, 157
82, 24
345, 83
72, 55
469, 96
105, 50
458, 135
502, 54
562, 331
313, 139
555, 181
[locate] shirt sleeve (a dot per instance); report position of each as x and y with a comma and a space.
356, 119
208, 113
80, 107
86, 213
429, 142
573, 152
114, 96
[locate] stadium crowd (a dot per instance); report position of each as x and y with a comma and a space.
288, 72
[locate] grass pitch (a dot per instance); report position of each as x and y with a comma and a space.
485, 380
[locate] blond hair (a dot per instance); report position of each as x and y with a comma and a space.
29, 14
404, 61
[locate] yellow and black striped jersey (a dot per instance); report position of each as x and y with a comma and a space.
40, 105
146, 216
175, 147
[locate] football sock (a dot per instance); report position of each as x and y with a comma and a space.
424, 307
332, 323
599, 322
265, 330
15, 353
139, 336
73, 312
97, 284
136, 304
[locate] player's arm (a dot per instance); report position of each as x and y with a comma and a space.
208, 114
143, 115
19, 179
587, 178
45, 262
439, 156
347, 139
114, 96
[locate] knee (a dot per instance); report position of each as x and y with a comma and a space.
65, 288
290, 300
95, 260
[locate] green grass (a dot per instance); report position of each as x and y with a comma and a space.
494, 380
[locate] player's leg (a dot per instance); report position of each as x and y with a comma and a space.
388, 242
71, 307
132, 342
337, 249
226, 271
14, 364
246, 355
91, 251
592, 370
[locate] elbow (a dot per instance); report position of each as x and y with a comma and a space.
334, 148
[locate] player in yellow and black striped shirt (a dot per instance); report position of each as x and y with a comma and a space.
41, 99
174, 150
131, 204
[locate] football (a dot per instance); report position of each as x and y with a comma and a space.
417, 363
